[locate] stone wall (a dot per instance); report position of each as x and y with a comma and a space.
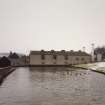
60, 60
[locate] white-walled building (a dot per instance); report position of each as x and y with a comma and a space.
58, 57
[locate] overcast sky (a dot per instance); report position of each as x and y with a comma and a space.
51, 24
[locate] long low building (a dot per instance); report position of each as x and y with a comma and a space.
58, 57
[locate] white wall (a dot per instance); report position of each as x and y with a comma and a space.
48, 59
60, 60
35, 59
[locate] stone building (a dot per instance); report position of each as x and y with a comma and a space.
58, 57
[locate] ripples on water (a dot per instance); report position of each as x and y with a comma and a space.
53, 86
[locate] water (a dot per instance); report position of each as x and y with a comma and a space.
53, 86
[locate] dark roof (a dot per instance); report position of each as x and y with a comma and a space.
62, 52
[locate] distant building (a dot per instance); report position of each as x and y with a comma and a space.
58, 57
4, 62
23, 60
13, 55
14, 58
27, 60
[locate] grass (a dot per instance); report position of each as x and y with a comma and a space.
86, 65
93, 66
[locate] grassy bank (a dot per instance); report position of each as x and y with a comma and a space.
96, 67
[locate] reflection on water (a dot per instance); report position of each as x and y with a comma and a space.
53, 86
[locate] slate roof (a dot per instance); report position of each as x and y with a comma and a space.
62, 52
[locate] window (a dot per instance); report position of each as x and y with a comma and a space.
55, 57
66, 57
82, 59
42, 56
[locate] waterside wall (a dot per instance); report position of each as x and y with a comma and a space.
4, 72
